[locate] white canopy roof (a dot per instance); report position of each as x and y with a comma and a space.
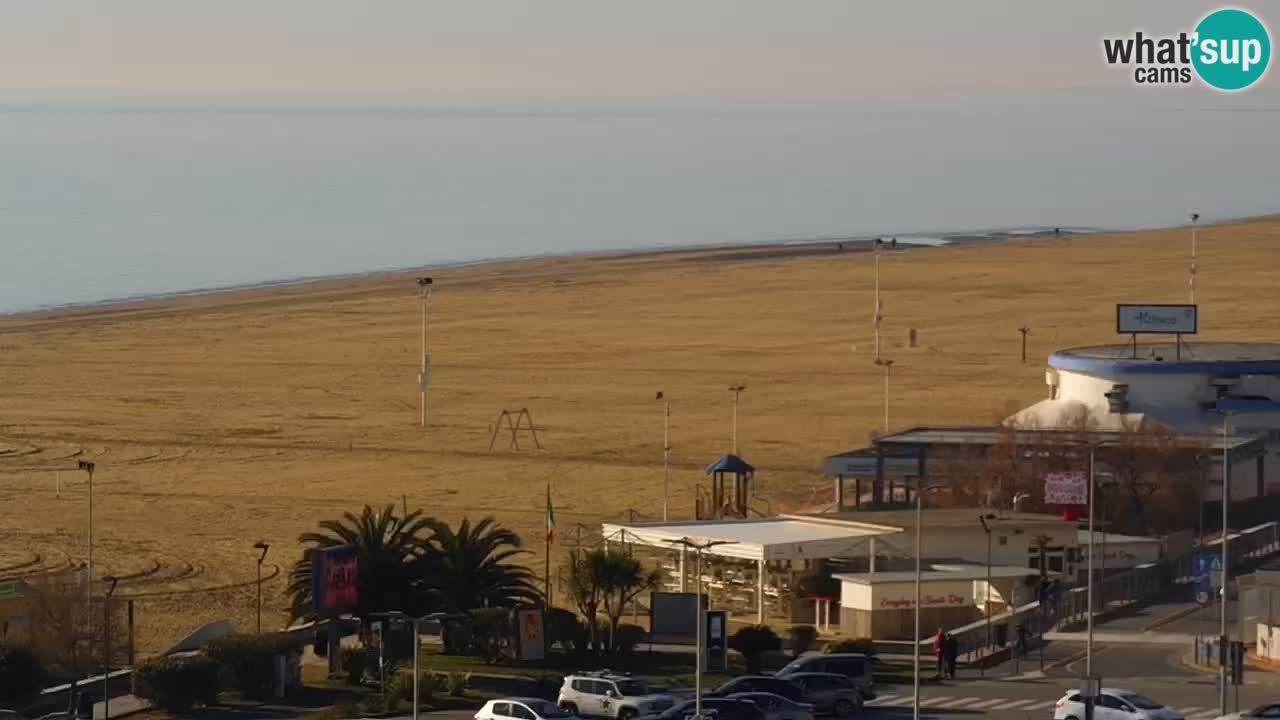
781, 538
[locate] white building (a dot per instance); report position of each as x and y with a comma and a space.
1188, 387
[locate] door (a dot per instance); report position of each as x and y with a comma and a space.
1112, 708
603, 692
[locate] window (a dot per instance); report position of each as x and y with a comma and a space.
502, 709
1142, 701
522, 712
1113, 703
583, 686
632, 688
1055, 563
1267, 711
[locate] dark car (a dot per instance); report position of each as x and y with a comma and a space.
829, 693
855, 666
760, 683
722, 708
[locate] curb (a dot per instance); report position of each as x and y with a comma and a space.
1171, 617
1073, 657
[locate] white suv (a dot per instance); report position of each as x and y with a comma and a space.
1114, 704
610, 696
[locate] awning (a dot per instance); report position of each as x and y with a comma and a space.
785, 538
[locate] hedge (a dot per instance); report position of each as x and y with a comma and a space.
178, 684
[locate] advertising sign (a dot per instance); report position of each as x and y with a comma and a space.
335, 579
1070, 487
533, 644
673, 616
1147, 319
717, 641
1207, 573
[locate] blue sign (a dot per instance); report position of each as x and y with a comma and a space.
1203, 571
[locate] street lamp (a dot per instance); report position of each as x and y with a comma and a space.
986, 602
1191, 281
1222, 630
88, 573
416, 621
106, 646
424, 296
264, 548
737, 391
877, 316
698, 547
887, 366
666, 453
915, 680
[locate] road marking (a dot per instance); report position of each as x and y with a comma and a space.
1190, 709
988, 703
904, 700
1206, 715
1041, 705
1012, 705
881, 700
934, 700
959, 702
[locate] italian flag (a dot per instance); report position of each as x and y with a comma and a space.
551, 518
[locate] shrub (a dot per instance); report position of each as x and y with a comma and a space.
627, 637
355, 661
21, 674
547, 686
457, 683
492, 632
753, 642
178, 684
247, 662
802, 638
402, 684
562, 628
866, 646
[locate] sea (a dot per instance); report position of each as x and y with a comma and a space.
123, 200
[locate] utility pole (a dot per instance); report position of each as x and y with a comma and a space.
88, 572
886, 366
737, 391
698, 548
1025, 331
986, 596
666, 455
424, 377
264, 548
106, 646
1226, 498
877, 315
1191, 280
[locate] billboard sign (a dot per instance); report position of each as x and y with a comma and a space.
533, 643
1148, 319
1069, 487
673, 616
335, 579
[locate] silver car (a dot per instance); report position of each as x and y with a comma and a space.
776, 707
1270, 711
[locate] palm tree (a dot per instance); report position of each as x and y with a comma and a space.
393, 552
475, 567
622, 579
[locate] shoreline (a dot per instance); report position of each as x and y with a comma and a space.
729, 252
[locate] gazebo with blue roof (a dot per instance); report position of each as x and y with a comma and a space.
723, 504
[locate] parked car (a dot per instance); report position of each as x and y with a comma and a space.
1114, 704
611, 696
720, 708
776, 707
760, 684
1270, 711
522, 708
829, 693
855, 666
10, 715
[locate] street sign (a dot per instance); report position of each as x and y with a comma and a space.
1207, 572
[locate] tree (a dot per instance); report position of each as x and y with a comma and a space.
753, 642
393, 555
21, 674
622, 578
803, 638
473, 567
585, 573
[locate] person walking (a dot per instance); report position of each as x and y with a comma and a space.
951, 652
939, 648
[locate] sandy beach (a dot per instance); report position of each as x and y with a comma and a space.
218, 420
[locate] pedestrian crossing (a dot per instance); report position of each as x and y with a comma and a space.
1002, 704
958, 702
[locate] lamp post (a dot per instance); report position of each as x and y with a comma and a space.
877, 315
1222, 630
921, 489
1088, 642
106, 646
886, 366
737, 391
666, 454
264, 548
416, 622
986, 596
1191, 281
424, 296
697, 548
88, 573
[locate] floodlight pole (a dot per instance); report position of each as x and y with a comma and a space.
106, 646
986, 604
1088, 646
737, 392
666, 458
88, 573
264, 547
921, 489
1191, 281
886, 366
424, 296
875, 247
1222, 630
698, 547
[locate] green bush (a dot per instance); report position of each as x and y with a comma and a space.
402, 683
247, 662
802, 639
627, 637
562, 628
178, 684
457, 683
753, 642
866, 646
21, 674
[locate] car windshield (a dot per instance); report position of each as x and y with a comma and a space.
1141, 702
548, 710
793, 666
631, 688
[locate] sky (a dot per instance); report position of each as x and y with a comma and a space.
755, 50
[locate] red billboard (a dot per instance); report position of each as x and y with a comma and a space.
335, 579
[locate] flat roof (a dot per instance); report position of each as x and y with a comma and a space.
1098, 537
1166, 358
987, 435
782, 538
939, 572
942, 518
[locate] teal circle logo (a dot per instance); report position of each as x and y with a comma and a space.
1231, 49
